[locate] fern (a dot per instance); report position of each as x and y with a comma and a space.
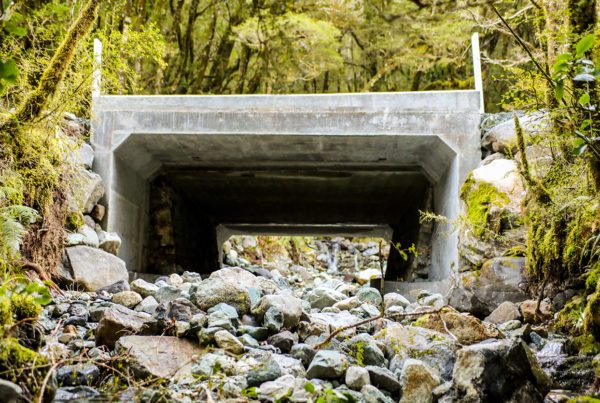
13, 222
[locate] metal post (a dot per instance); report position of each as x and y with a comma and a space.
97, 73
477, 69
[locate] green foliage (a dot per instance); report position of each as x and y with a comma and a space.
325, 394
480, 198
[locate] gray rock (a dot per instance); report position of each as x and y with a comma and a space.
504, 370
86, 189
115, 288
118, 321
213, 291
418, 382
357, 377
228, 342
266, 370
303, 352
287, 304
371, 394
369, 295
278, 389
148, 305
168, 293
222, 320
75, 393
109, 242
394, 299
249, 341
364, 348
383, 378
77, 374
273, 319
83, 155
128, 299
225, 308
257, 332
159, 356
505, 312
283, 341
89, 236
144, 288
327, 364
93, 268
323, 297
10, 392
503, 138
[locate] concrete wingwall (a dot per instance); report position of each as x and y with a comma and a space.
134, 136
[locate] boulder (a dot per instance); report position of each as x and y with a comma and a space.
11, 392
109, 242
500, 371
287, 304
505, 312
466, 328
228, 342
357, 377
159, 356
503, 136
215, 290
327, 364
94, 268
418, 382
500, 279
118, 321
85, 190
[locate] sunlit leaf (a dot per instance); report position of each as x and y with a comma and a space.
585, 44
584, 99
9, 71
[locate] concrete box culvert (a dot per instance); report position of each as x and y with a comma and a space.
341, 164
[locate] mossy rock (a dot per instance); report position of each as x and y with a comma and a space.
24, 306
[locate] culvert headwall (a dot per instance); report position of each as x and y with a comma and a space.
301, 164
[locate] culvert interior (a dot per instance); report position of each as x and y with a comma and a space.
185, 172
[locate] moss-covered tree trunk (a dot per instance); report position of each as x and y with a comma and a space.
32, 106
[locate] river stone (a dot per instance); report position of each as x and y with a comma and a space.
215, 290
169, 293
76, 394
128, 299
228, 342
466, 328
118, 321
273, 319
114, 288
277, 390
249, 341
418, 382
144, 288
11, 392
528, 310
371, 394
283, 341
212, 363
289, 365
434, 348
394, 299
89, 236
287, 304
501, 371
159, 356
266, 370
369, 295
77, 374
321, 297
383, 378
357, 377
365, 346
505, 312
93, 268
148, 305
303, 352
327, 364
225, 308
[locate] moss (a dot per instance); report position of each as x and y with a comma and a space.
5, 312
592, 277
591, 323
586, 345
569, 319
24, 306
583, 399
74, 221
480, 198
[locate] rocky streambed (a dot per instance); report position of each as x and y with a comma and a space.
246, 333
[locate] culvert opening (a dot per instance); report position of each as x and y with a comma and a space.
194, 211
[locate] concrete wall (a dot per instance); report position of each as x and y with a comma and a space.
134, 136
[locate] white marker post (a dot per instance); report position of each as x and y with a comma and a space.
97, 73
477, 69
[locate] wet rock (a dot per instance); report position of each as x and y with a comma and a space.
364, 346
466, 328
503, 370
93, 268
283, 341
383, 378
320, 298
144, 288
287, 304
10, 392
418, 382
78, 374
357, 377
327, 364
505, 312
118, 321
228, 342
128, 299
159, 356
